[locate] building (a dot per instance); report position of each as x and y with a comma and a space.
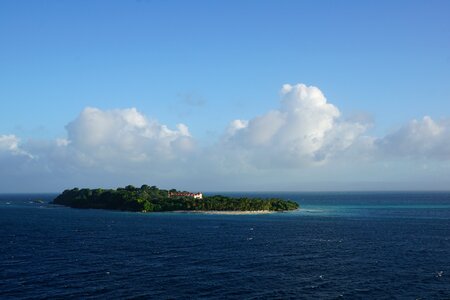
186, 194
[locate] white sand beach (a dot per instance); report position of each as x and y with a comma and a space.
225, 212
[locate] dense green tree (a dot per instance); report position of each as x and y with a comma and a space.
150, 199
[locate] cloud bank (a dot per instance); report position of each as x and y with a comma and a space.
304, 138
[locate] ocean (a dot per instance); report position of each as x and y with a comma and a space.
337, 246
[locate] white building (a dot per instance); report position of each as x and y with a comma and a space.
181, 194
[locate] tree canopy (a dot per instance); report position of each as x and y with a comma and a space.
151, 199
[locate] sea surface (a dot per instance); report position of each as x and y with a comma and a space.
337, 246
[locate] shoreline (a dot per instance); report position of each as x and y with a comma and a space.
225, 212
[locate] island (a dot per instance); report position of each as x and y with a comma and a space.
152, 199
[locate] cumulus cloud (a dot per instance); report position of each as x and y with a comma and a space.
125, 135
425, 139
304, 138
102, 147
304, 129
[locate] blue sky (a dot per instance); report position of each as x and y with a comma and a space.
207, 63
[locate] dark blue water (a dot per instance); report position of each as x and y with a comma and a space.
339, 245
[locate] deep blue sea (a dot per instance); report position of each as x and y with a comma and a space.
337, 246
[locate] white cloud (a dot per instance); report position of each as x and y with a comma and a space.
304, 129
15, 162
303, 143
102, 147
235, 126
126, 135
426, 139
9, 145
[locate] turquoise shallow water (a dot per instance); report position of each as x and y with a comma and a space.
338, 245
369, 204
